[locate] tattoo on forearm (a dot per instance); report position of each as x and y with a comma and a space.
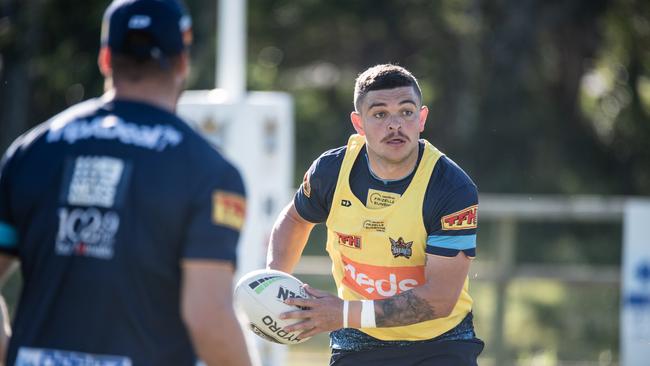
403, 309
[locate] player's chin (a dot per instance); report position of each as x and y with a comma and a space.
396, 156
401, 148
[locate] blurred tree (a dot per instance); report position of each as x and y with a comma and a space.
18, 48
616, 93
503, 79
529, 96
48, 57
48, 51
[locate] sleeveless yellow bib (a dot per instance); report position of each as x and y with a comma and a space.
379, 252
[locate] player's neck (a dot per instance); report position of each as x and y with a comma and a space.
391, 171
151, 93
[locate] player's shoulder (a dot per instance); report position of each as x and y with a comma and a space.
450, 175
329, 162
83, 109
450, 192
228, 174
203, 151
34, 135
206, 158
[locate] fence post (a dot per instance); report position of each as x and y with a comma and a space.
506, 248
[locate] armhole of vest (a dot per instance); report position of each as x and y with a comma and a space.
434, 151
340, 179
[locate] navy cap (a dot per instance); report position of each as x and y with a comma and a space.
162, 28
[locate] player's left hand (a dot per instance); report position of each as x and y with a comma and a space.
323, 313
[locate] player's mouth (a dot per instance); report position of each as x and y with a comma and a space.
395, 140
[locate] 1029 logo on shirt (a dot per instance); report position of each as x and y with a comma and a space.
87, 232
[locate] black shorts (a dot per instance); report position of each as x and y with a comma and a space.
435, 353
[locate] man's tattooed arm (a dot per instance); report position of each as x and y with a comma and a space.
403, 309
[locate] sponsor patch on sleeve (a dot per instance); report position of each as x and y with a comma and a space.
228, 209
461, 220
306, 186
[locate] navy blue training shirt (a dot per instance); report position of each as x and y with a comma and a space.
101, 204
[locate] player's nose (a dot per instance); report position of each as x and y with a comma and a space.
394, 122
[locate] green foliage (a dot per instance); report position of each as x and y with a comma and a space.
532, 96
503, 79
570, 243
561, 322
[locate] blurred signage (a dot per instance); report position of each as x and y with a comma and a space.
635, 292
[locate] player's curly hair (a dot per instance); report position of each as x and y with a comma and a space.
385, 76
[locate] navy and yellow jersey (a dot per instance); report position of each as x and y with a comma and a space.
449, 209
101, 204
362, 268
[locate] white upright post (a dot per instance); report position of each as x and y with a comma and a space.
231, 50
255, 131
635, 292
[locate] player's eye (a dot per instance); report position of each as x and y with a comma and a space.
379, 115
407, 113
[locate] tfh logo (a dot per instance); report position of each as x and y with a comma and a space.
351, 241
464, 219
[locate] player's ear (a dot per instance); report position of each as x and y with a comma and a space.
104, 61
355, 117
424, 112
182, 66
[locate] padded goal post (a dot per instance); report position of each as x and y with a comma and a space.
257, 135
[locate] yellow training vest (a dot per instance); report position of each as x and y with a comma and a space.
380, 252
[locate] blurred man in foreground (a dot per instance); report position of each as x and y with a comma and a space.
124, 220
401, 221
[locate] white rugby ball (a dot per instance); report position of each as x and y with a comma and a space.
261, 294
